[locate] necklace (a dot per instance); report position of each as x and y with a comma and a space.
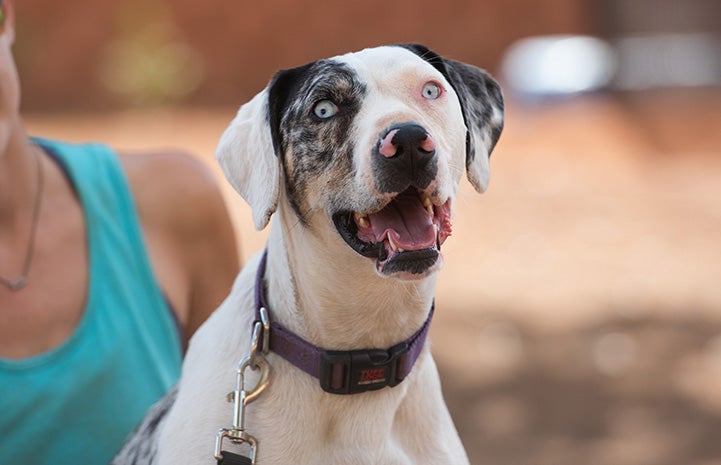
20, 282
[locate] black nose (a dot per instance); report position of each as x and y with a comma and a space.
405, 156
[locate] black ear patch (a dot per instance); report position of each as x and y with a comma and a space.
479, 95
283, 87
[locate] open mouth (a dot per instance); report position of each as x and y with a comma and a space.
405, 236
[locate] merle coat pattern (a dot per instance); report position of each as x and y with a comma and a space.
313, 150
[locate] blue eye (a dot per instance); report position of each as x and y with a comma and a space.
431, 90
325, 109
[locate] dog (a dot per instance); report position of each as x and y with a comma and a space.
359, 158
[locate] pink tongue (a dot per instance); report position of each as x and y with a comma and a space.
407, 221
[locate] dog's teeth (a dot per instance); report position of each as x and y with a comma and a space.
394, 247
427, 204
362, 220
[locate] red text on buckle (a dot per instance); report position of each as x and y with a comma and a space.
372, 376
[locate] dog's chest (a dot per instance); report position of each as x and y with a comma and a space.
404, 425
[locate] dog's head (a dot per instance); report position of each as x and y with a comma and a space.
371, 143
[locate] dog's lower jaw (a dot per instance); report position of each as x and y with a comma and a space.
421, 265
389, 262
404, 236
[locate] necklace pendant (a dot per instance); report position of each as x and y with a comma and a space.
18, 283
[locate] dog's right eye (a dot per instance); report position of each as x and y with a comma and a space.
325, 109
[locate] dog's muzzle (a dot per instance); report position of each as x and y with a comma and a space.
404, 236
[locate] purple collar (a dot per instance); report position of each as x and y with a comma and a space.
341, 371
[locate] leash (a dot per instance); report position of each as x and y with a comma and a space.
338, 371
240, 398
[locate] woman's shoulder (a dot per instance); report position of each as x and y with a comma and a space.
187, 227
178, 198
173, 186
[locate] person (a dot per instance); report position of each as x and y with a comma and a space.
108, 264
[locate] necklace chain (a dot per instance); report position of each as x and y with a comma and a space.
20, 282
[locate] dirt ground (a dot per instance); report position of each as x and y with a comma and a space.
579, 310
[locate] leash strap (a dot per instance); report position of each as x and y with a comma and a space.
340, 371
230, 458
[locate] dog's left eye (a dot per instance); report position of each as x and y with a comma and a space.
431, 90
325, 109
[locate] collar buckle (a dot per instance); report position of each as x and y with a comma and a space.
355, 371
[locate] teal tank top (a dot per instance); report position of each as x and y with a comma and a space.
77, 403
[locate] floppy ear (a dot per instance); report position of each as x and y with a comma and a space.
251, 149
245, 152
482, 106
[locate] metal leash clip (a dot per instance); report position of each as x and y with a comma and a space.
241, 397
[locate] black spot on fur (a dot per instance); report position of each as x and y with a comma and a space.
310, 147
478, 94
428, 55
284, 86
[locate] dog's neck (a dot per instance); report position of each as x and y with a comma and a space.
326, 293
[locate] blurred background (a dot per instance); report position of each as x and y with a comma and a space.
579, 310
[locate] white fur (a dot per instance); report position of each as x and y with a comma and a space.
326, 293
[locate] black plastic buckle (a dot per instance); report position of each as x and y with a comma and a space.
354, 371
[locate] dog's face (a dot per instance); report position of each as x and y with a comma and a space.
372, 144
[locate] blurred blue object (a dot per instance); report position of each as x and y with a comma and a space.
563, 65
